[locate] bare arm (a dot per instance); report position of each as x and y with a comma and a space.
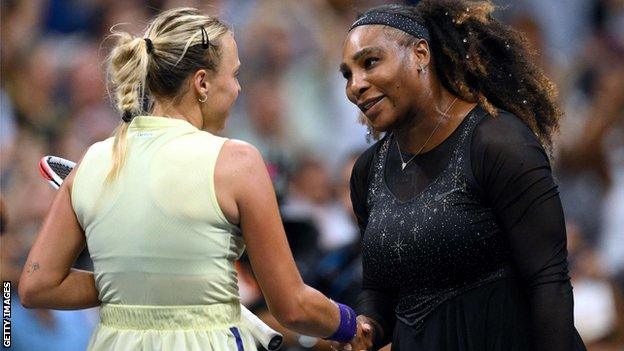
48, 281
247, 197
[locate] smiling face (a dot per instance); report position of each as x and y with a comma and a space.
382, 77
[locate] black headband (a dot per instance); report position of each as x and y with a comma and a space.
394, 20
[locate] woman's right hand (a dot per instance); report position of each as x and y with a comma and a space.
363, 340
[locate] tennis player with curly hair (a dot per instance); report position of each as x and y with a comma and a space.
464, 242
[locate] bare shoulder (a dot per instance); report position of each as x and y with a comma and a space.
240, 148
240, 173
238, 155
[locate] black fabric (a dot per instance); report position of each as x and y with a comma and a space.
394, 20
410, 182
509, 175
505, 322
399, 250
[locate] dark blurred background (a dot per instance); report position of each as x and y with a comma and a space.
293, 108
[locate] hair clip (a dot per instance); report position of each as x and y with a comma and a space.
205, 40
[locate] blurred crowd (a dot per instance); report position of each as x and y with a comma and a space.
293, 107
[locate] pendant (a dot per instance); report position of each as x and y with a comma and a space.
403, 165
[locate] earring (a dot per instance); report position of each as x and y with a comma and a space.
422, 68
370, 133
203, 99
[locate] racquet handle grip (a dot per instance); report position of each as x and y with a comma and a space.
268, 338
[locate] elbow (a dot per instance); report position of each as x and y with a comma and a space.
29, 294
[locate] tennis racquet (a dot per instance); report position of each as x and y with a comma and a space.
55, 169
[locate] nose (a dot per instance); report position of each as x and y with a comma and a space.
359, 85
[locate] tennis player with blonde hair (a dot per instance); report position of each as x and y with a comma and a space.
166, 207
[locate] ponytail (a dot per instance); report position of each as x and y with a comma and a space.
176, 44
128, 72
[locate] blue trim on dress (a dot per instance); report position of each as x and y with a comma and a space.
237, 336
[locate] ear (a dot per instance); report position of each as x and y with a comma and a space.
200, 82
422, 53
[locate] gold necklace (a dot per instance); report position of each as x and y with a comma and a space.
404, 163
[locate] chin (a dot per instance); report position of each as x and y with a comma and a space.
381, 124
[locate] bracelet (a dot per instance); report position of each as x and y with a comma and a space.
348, 325
307, 341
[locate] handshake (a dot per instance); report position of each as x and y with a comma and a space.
363, 339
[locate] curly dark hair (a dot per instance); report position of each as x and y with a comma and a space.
483, 60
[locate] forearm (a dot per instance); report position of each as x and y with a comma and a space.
312, 314
76, 291
552, 319
378, 306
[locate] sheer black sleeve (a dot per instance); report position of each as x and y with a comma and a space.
375, 301
360, 180
514, 172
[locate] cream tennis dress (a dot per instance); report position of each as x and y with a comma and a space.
162, 250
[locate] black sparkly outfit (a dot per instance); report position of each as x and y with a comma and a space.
466, 248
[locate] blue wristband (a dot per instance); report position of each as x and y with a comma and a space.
348, 325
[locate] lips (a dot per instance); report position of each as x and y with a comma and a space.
369, 103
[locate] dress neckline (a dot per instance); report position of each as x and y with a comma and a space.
454, 137
446, 140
